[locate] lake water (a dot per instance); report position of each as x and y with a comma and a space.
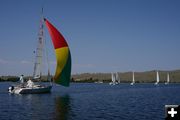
90, 101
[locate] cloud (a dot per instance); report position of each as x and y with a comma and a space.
77, 65
25, 62
84, 65
2, 61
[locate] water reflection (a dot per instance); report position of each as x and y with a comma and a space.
62, 107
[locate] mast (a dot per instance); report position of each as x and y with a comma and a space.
39, 51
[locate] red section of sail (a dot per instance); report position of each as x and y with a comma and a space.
57, 38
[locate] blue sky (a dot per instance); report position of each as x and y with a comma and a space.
103, 35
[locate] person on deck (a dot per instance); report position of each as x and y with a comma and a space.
21, 79
30, 83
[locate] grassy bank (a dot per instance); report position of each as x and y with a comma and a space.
125, 77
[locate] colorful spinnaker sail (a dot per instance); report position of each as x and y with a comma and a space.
63, 56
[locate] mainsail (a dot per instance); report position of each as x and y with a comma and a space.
157, 77
117, 78
39, 53
113, 78
133, 79
167, 79
63, 55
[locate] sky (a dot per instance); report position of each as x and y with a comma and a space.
103, 35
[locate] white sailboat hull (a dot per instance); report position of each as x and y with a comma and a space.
156, 83
113, 83
99, 82
132, 83
113, 78
37, 89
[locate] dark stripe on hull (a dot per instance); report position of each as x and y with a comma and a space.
36, 90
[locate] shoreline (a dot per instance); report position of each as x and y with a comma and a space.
125, 77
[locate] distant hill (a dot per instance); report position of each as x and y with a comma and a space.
16, 78
140, 77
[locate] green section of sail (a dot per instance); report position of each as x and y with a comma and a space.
65, 77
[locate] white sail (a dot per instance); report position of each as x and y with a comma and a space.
167, 79
113, 79
39, 53
157, 78
117, 78
133, 80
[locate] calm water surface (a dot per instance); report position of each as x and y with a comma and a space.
83, 101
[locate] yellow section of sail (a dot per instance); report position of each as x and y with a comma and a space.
61, 57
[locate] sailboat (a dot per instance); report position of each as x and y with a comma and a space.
113, 79
100, 81
133, 80
63, 67
117, 78
157, 78
167, 82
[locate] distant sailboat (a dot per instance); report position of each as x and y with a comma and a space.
167, 82
117, 78
157, 78
133, 80
99, 81
113, 79
63, 68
